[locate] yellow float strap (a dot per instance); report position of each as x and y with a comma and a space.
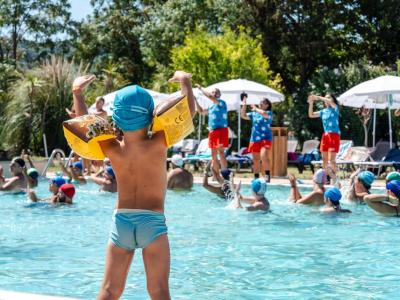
84, 133
173, 117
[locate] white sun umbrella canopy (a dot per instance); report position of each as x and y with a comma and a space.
109, 100
231, 90
380, 93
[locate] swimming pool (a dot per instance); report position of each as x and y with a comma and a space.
217, 253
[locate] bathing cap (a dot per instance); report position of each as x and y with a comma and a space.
58, 181
177, 160
394, 187
320, 177
367, 178
68, 189
110, 171
32, 172
393, 176
18, 160
225, 173
133, 108
78, 165
259, 186
333, 194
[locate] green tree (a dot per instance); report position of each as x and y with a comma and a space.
36, 20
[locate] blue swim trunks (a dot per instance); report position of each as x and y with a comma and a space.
136, 228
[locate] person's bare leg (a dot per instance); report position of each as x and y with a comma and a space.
215, 162
118, 261
325, 161
222, 158
265, 161
332, 160
256, 162
156, 258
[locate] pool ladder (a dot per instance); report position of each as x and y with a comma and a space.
53, 154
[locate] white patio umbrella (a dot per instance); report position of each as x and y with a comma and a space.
231, 90
109, 100
380, 93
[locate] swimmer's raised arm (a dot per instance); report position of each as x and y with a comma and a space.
186, 88
9, 184
78, 87
98, 179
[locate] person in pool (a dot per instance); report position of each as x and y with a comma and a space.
332, 201
106, 179
360, 184
178, 177
61, 194
32, 174
54, 187
316, 197
74, 172
18, 181
330, 141
389, 204
218, 136
225, 188
138, 221
261, 135
258, 201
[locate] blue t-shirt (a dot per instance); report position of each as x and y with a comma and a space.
261, 127
330, 119
218, 115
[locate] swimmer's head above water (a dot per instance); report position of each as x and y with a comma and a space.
226, 174
16, 165
366, 178
133, 108
393, 176
320, 177
333, 196
259, 187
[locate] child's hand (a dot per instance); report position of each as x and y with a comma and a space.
179, 76
82, 82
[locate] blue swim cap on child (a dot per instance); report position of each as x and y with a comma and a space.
333, 194
393, 176
226, 174
58, 181
78, 165
133, 108
32, 172
110, 171
394, 187
259, 186
367, 178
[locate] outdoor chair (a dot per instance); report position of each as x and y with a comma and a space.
376, 161
308, 154
241, 158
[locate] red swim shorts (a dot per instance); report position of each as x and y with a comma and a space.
330, 142
218, 138
255, 147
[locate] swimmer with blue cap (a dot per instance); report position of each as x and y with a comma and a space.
332, 201
138, 162
54, 187
75, 172
225, 187
360, 184
258, 201
106, 179
389, 204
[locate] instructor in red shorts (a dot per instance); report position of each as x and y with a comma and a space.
330, 140
261, 135
218, 127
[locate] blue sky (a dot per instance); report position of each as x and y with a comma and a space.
80, 9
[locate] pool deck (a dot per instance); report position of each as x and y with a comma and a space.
7, 295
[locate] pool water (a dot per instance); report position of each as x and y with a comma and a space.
295, 252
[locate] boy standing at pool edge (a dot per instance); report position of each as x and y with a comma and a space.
138, 220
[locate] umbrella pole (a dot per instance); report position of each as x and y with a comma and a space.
390, 119
199, 130
374, 130
239, 124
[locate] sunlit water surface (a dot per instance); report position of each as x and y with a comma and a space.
295, 252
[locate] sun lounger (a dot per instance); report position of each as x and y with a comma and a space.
377, 158
308, 154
